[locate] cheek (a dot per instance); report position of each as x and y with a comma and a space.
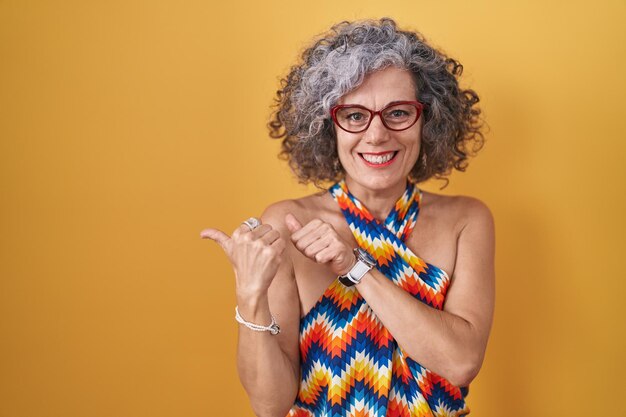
414, 142
413, 148
344, 146
344, 157
414, 157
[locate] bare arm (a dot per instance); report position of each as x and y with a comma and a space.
451, 342
268, 365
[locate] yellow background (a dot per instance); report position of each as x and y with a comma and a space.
126, 127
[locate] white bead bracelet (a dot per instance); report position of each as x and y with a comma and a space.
273, 328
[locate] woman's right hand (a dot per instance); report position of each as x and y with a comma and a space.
254, 254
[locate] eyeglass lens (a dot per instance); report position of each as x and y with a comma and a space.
396, 117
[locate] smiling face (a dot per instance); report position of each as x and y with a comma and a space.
379, 159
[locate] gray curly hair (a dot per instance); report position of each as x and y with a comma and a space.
337, 64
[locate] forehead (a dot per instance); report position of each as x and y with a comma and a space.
381, 87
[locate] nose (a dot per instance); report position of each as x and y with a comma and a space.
376, 133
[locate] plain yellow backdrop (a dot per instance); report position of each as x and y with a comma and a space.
126, 127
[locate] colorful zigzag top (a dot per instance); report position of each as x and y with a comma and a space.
350, 363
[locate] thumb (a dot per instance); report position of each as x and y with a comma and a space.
215, 235
292, 223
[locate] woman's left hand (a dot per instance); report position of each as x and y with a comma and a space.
320, 242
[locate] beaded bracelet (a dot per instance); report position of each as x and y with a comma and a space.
273, 328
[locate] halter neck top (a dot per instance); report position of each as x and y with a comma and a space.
350, 363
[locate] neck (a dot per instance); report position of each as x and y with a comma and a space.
378, 202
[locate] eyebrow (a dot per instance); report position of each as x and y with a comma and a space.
385, 106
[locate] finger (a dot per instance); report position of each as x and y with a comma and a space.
261, 231
314, 248
216, 235
315, 226
244, 229
280, 245
271, 236
303, 239
292, 223
325, 255
240, 230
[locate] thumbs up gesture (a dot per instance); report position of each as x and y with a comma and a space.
254, 254
320, 242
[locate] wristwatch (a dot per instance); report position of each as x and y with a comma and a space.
364, 262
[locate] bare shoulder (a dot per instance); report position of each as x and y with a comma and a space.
473, 212
460, 210
304, 209
275, 214
477, 216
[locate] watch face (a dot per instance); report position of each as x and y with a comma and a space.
367, 258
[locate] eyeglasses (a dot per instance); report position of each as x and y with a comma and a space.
397, 116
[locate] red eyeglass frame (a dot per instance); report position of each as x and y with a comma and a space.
336, 108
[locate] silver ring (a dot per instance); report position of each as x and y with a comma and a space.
252, 223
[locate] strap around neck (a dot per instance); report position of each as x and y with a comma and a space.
387, 243
401, 219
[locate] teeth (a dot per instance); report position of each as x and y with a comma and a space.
378, 159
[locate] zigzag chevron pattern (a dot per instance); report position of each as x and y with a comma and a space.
351, 365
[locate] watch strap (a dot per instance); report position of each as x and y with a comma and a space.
364, 263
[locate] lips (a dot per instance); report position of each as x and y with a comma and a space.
379, 159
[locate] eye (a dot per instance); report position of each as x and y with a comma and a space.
397, 113
355, 116
352, 116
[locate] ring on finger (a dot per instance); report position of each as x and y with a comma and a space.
252, 223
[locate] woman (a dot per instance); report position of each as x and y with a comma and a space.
339, 315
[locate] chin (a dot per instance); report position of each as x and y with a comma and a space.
378, 183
